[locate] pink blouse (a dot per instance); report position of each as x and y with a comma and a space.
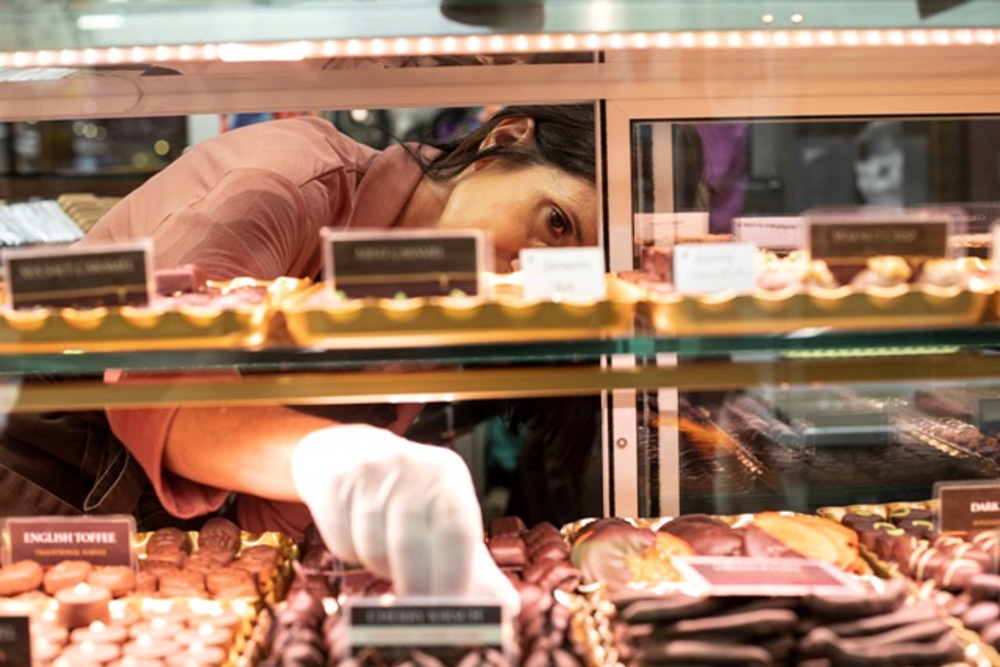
250, 202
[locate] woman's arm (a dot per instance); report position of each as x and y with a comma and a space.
246, 449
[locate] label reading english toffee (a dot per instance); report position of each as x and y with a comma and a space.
965, 506
404, 264
854, 242
738, 576
443, 630
100, 540
113, 276
15, 641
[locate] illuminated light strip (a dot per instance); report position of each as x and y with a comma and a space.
486, 44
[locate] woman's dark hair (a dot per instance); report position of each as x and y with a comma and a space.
564, 138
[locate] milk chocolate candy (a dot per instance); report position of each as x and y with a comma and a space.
985, 587
506, 526
981, 614
540, 531
182, 583
219, 534
549, 549
65, 574
119, 579
173, 557
146, 582
508, 551
206, 561
229, 582
19, 577
168, 540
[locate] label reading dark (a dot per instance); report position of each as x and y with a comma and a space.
80, 280
724, 576
965, 506
405, 266
15, 641
854, 243
48, 540
446, 631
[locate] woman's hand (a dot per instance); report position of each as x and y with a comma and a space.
408, 512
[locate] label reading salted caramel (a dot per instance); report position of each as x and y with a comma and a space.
854, 241
15, 641
967, 505
441, 628
100, 540
737, 576
404, 264
78, 277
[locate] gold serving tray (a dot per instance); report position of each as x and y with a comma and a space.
273, 590
316, 318
144, 328
783, 311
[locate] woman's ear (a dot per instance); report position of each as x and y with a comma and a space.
518, 131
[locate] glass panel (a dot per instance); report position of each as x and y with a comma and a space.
56, 24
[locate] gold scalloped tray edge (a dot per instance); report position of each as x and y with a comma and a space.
314, 321
846, 307
146, 328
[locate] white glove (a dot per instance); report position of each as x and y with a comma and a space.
407, 512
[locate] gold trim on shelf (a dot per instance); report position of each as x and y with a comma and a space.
450, 384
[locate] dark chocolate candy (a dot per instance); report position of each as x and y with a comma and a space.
168, 540
508, 551
506, 526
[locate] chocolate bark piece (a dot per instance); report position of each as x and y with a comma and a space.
218, 534
19, 577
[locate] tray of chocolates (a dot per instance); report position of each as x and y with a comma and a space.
859, 459
187, 312
794, 293
319, 317
957, 571
219, 561
310, 629
882, 625
620, 553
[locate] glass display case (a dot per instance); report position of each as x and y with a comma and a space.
715, 120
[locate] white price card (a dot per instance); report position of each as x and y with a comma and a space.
772, 232
701, 268
563, 274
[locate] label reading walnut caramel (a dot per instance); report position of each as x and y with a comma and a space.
15, 641
78, 278
965, 506
738, 576
441, 628
100, 540
404, 264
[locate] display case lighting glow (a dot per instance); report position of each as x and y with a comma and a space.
493, 44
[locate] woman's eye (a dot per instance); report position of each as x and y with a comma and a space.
559, 224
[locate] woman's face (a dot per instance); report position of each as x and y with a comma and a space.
524, 206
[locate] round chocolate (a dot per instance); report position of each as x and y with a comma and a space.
66, 574
168, 540
20, 577
119, 579
219, 534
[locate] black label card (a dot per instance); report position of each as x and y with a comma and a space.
846, 242
64, 278
101, 540
404, 265
965, 506
447, 631
15, 641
